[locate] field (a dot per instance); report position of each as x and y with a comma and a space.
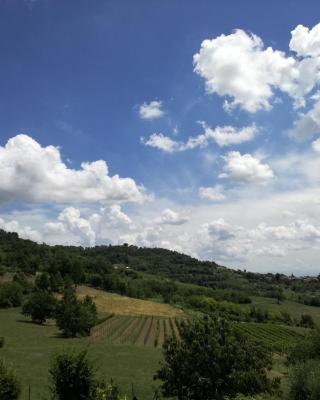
122, 305
29, 348
135, 330
277, 337
293, 308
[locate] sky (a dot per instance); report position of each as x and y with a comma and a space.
191, 127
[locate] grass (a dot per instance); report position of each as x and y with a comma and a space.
29, 348
122, 305
293, 308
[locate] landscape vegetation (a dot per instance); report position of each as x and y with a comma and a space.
131, 311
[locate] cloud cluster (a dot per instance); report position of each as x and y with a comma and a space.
170, 217
214, 193
152, 110
222, 136
245, 168
30, 172
239, 67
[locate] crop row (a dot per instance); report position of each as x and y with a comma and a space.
276, 336
137, 330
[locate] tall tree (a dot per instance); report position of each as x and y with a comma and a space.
211, 361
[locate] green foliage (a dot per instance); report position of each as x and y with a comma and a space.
9, 385
1, 342
72, 377
213, 360
304, 381
10, 295
306, 349
307, 321
40, 306
75, 317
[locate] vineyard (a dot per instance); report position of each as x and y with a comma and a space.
277, 337
136, 330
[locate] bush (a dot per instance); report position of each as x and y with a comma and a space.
9, 385
304, 381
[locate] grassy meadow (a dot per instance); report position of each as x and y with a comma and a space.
293, 308
29, 348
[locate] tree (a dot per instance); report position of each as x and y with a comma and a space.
307, 321
211, 361
75, 317
10, 295
40, 307
9, 385
72, 377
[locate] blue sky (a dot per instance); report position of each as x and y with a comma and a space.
223, 164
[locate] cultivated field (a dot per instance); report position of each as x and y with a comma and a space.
135, 330
277, 337
122, 305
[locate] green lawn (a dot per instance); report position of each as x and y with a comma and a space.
29, 348
293, 308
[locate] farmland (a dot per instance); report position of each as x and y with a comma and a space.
135, 330
277, 337
122, 305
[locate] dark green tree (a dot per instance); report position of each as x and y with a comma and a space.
72, 377
9, 385
75, 317
212, 361
10, 295
40, 306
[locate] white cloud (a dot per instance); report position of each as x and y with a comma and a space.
151, 110
25, 232
222, 136
305, 41
308, 124
239, 67
70, 217
245, 169
30, 172
316, 145
170, 217
212, 193
159, 141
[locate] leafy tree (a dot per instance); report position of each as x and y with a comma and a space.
72, 377
10, 295
211, 361
9, 385
75, 317
40, 306
307, 321
43, 282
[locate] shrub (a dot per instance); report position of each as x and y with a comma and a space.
9, 385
